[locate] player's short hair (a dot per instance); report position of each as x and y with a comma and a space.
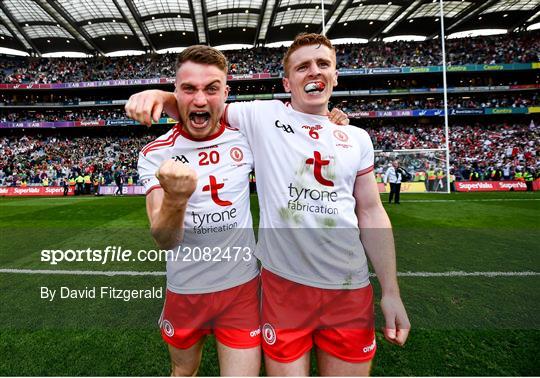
203, 55
305, 39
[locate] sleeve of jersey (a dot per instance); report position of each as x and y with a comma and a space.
367, 154
239, 115
147, 168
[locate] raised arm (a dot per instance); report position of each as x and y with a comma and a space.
378, 240
147, 105
166, 205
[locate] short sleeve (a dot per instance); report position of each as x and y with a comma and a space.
367, 155
239, 115
147, 168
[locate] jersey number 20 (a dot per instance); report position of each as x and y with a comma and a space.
208, 158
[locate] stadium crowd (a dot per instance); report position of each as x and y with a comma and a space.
476, 151
47, 160
480, 100
56, 115
508, 48
348, 106
388, 103
508, 149
406, 137
49, 98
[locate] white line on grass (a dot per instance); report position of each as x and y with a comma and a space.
149, 273
477, 200
83, 272
467, 274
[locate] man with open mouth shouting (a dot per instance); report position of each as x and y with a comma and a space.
197, 200
321, 215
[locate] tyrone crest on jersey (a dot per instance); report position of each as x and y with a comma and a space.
213, 188
340, 135
236, 154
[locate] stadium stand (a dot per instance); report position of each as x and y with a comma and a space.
61, 115
478, 143
511, 48
30, 158
353, 104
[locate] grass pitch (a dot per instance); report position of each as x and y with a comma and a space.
462, 325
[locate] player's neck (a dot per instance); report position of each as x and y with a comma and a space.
321, 110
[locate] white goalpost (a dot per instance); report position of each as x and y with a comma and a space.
445, 94
435, 159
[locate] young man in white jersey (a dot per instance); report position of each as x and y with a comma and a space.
197, 200
316, 192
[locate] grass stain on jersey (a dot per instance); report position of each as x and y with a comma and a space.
289, 215
348, 281
328, 222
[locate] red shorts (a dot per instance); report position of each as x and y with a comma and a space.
232, 315
295, 316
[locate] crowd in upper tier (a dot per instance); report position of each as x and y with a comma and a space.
508, 48
473, 148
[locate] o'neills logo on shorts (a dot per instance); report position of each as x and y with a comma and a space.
269, 334
167, 328
370, 348
255, 332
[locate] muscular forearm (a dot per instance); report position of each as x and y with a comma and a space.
378, 240
168, 223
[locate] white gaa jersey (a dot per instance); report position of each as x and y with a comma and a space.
217, 250
306, 168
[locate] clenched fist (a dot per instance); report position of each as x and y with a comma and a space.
176, 179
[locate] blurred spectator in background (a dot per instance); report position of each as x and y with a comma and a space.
393, 176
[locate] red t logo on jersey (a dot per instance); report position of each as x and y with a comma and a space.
318, 163
213, 188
